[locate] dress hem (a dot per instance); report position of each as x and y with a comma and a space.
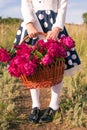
72, 71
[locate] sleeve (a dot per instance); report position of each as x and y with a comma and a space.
61, 15
27, 11
29, 14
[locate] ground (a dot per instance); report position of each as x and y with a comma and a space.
24, 103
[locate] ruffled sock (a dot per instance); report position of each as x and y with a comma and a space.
35, 93
55, 95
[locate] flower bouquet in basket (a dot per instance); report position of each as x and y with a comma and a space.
41, 65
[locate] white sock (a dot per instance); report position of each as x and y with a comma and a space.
35, 93
55, 94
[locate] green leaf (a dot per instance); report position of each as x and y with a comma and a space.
39, 54
12, 51
31, 56
38, 47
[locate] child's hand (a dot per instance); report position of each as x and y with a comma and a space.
53, 34
32, 31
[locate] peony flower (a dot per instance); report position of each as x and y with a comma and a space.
21, 65
46, 60
14, 67
53, 50
4, 55
62, 52
28, 68
41, 46
24, 50
68, 42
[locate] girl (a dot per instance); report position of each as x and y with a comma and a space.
46, 16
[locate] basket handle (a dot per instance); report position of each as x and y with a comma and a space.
26, 37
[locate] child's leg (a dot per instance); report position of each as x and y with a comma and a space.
35, 93
55, 94
34, 115
54, 104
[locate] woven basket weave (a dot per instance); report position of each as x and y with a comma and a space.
45, 76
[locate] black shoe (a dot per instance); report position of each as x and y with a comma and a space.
47, 116
34, 116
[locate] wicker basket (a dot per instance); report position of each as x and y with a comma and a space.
45, 76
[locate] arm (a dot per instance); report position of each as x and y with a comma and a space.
27, 11
30, 18
60, 20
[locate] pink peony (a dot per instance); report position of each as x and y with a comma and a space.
68, 42
28, 68
13, 68
46, 60
24, 50
21, 65
62, 52
53, 49
4, 55
40, 46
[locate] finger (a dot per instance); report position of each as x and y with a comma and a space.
48, 36
32, 35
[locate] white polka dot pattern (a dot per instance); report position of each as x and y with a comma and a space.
41, 16
62, 35
19, 32
15, 40
22, 25
51, 20
68, 53
48, 12
45, 24
70, 62
74, 56
72, 49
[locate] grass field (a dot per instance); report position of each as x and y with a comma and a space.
73, 102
